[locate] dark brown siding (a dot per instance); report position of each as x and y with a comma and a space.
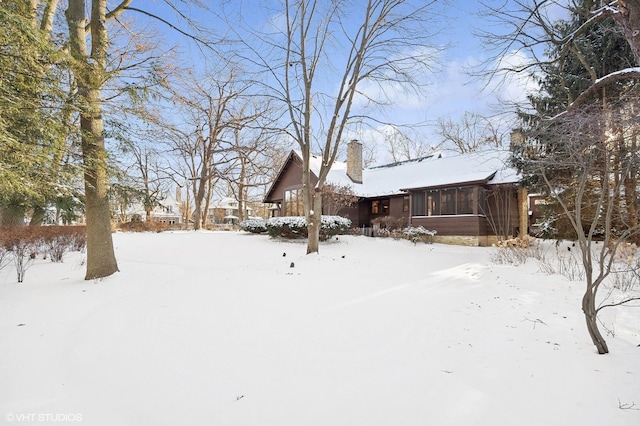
351, 213
395, 208
472, 226
290, 178
365, 215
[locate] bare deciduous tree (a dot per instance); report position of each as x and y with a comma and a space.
401, 147
197, 132
472, 133
317, 58
579, 169
336, 197
253, 152
581, 141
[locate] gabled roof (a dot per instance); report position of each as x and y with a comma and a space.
434, 171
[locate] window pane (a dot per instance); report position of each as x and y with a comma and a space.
293, 202
375, 207
448, 201
482, 203
418, 204
405, 203
465, 201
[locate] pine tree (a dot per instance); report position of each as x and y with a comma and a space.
32, 140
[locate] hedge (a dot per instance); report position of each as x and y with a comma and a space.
296, 226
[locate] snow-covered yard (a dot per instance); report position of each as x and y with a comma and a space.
205, 328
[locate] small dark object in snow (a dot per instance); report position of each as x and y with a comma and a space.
238, 398
284, 254
573, 245
21, 325
336, 238
568, 248
292, 265
343, 256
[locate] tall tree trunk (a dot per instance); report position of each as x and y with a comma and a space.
629, 21
38, 215
89, 73
314, 222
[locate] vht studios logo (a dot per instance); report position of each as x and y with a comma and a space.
43, 417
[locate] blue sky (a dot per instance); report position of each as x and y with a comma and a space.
450, 91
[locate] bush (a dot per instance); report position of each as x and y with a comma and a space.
23, 243
143, 226
389, 223
56, 240
254, 225
333, 225
418, 233
296, 226
287, 227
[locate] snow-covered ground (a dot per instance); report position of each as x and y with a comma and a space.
205, 328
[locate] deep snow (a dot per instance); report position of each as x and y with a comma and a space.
214, 328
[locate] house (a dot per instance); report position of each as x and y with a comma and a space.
167, 210
227, 210
471, 199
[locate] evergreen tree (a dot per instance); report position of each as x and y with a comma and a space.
32, 135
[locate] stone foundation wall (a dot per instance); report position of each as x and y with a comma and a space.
460, 240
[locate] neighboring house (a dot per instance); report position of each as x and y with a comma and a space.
469, 199
227, 210
168, 211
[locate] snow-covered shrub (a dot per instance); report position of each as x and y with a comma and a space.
57, 240
23, 246
287, 226
254, 225
383, 232
23, 243
419, 233
333, 225
296, 226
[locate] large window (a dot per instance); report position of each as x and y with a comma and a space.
293, 202
435, 202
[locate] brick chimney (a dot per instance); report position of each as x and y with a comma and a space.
354, 161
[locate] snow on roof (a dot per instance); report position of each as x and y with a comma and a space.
227, 203
490, 167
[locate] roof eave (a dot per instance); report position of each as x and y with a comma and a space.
449, 185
